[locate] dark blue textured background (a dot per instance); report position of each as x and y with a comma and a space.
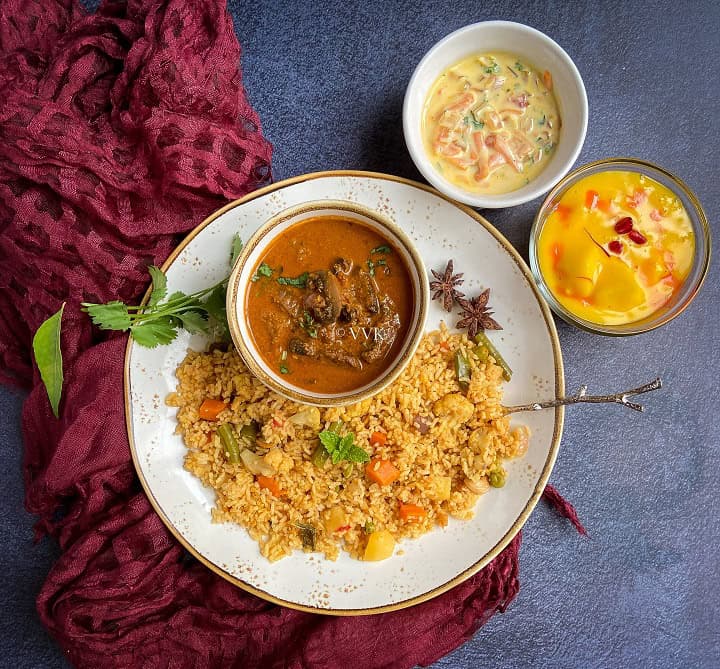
328, 80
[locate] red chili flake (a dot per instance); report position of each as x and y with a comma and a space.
277, 423
637, 237
343, 528
624, 225
615, 246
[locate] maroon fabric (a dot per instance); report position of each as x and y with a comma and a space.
118, 132
563, 507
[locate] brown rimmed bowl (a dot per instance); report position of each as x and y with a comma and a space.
240, 281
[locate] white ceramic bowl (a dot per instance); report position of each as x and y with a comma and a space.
543, 54
253, 251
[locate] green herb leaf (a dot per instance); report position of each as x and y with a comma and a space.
342, 447
329, 440
371, 267
157, 322
177, 295
492, 69
381, 249
263, 270
307, 535
357, 454
193, 321
298, 281
155, 332
470, 120
215, 307
235, 247
309, 325
159, 285
284, 369
111, 316
48, 357
519, 66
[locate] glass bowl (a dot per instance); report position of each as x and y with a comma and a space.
701, 260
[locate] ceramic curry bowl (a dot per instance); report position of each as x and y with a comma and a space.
327, 302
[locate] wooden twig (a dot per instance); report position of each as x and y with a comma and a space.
582, 396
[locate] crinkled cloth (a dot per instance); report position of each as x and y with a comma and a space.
119, 132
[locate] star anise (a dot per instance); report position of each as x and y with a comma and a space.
444, 287
476, 314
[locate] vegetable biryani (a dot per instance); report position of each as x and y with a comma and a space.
358, 477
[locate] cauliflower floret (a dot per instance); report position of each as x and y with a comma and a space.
480, 441
454, 406
278, 460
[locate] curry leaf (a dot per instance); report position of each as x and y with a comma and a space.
159, 285
48, 357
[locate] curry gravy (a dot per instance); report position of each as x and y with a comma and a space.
330, 304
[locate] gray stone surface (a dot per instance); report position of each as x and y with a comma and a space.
328, 80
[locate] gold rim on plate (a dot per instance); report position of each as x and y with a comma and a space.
549, 462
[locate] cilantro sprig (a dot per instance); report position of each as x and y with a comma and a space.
342, 447
152, 324
158, 321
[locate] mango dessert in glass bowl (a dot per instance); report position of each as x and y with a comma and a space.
619, 247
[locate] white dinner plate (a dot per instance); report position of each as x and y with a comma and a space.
421, 568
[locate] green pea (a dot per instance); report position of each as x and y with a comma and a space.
497, 477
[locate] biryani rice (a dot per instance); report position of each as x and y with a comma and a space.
468, 437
